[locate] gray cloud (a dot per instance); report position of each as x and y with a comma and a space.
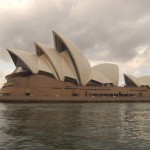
106, 30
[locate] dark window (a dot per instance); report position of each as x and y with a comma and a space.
27, 94
68, 79
46, 74
85, 93
74, 94
39, 51
94, 83
60, 46
129, 82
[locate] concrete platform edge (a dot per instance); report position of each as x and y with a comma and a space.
48, 99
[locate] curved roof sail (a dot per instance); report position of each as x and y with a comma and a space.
67, 63
131, 80
110, 71
53, 57
145, 80
29, 61
68, 68
60, 61
98, 77
79, 61
24, 59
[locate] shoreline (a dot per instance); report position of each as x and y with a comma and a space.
49, 99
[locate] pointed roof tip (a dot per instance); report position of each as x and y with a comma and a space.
37, 43
7, 49
54, 32
130, 75
41, 45
11, 50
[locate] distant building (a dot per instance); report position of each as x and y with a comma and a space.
65, 71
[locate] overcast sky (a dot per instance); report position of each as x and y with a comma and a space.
116, 31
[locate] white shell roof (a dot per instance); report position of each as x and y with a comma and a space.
145, 80
27, 58
133, 79
68, 68
140, 81
61, 62
110, 71
54, 58
82, 66
97, 76
67, 63
32, 61
44, 65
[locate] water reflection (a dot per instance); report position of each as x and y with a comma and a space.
134, 127
74, 126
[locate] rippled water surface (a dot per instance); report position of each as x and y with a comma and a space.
75, 126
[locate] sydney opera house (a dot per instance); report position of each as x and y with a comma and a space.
63, 71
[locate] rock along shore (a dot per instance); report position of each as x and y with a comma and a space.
48, 99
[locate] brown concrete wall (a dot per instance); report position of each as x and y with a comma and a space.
40, 85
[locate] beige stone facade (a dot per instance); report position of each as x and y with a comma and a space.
41, 85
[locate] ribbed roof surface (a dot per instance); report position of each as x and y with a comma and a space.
66, 60
111, 71
138, 81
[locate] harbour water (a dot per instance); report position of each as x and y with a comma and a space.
75, 126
